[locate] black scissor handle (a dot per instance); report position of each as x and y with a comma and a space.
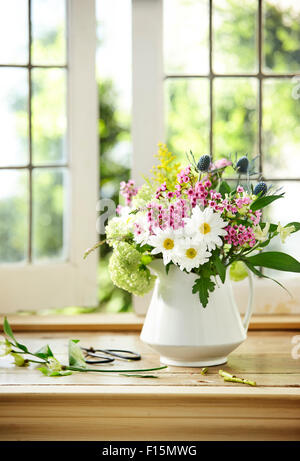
90, 352
122, 354
114, 353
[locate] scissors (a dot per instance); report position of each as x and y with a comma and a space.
93, 356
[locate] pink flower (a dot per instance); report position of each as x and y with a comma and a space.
128, 190
240, 235
222, 163
119, 209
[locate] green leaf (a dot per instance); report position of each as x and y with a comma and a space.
295, 224
261, 275
244, 221
221, 268
203, 286
167, 267
261, 202
275, 260
76, 357
22, 347
44, 370
48, 372
224, 188
8, 331
44, 353
273, 227
143, 248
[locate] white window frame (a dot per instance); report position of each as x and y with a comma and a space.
148, 130
73, 282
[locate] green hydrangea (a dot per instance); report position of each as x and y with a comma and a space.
144, 195
238, 271
127, 272
117, 229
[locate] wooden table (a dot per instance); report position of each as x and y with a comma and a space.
181, 404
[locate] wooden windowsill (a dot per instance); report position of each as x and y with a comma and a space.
181, 404
126, 322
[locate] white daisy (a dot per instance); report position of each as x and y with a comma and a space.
191, 254
165, 242
206, 227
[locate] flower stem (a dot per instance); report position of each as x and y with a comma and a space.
29, 353
113, 371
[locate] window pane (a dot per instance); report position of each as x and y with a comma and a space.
114, 75
14, 31
235, 116
281, 130
187, 112
49, 116
49, 210
13, 117
115, 93
48, 32
234, 43
186, 36
282, 35
285, 211
13, 216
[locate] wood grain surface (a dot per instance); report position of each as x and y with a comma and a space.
180, 404
127, 322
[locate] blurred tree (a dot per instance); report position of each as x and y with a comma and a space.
235, 100
281, 38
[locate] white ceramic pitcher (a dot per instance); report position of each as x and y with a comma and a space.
182, 331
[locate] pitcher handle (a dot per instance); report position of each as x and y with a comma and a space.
250, 300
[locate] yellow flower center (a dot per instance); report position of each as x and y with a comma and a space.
168, 244
204, 228
191, 253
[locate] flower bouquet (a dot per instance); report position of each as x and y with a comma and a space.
189, 220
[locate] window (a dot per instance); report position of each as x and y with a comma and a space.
221, 77
48, 159
214, 76
230, 87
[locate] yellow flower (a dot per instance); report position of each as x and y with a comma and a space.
167, 169
284, 232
